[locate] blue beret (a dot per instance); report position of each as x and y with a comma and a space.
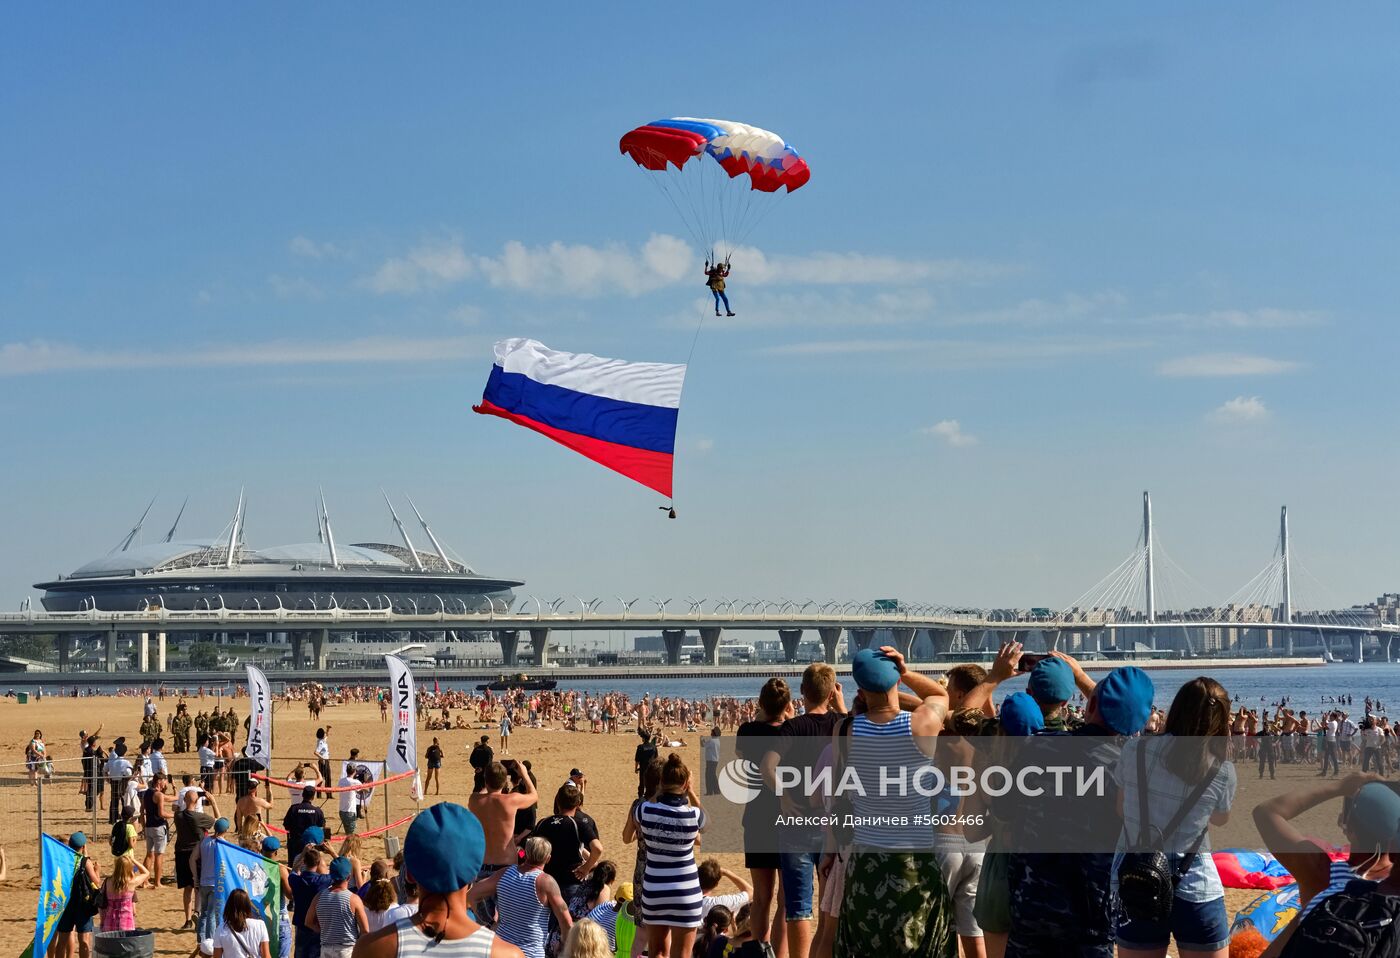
1125, 699
314, 835
1020, 715
873, 672
340, 869
1051, 681
444, 848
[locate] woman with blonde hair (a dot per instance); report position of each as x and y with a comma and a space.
353, 848
586, 939
128, 874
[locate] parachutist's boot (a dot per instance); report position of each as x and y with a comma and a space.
727, 314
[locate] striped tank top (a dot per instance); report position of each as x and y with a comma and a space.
338, 926
896, 780
414, 944
522, 920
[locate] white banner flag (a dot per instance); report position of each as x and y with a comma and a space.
259, 718
403, 741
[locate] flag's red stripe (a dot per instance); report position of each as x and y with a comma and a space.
651, 469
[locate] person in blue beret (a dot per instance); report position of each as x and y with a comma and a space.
442, 855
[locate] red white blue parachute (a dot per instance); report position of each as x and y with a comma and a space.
718, 212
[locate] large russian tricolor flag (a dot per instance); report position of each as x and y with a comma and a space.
619, 414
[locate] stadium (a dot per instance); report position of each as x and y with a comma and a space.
224, 572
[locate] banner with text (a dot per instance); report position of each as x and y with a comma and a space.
259, 718
403, 741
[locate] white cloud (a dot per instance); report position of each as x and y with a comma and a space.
1241, 409
767, 309
580, 269
38, 356
583, 270
309, 248
1042, 312
950, 431
1225, 364
701, 446
426, 266
752, 266
1266, 318
294, 287
960, 354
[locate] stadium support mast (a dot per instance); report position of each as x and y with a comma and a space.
170, 536
442, 553
330, 536
408, 543
136, 530
233, 533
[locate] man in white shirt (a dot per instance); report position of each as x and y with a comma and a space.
158, 763
207, 758
1329, 746
349, 802
323, 754
118, 773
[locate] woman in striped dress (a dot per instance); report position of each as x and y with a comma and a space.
670, 825
525, 896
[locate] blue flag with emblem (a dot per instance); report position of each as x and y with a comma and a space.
57, 865
259, 877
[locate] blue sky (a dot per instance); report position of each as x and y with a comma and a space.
1050, 256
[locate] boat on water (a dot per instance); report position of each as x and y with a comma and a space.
520, 680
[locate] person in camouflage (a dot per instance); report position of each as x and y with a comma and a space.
201, 726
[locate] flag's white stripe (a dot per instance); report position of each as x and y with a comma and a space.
652, 384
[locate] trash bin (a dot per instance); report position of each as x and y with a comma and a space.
23, 697
125, 944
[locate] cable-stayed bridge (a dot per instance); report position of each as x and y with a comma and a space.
1123, 615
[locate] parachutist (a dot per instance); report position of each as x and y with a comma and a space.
714, 279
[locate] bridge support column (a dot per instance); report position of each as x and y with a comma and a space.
674, 639
64, 640
509, 640
539, 640
942, 641
110, 647
1009, 635
319, 640
791, 639
831, 644
903, 640
709, 638
861, 639
1053, 638
1359, 647
1288, 643
974, 639
160, 651
1384, 639
143, 652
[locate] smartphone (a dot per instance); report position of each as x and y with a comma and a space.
1030, 660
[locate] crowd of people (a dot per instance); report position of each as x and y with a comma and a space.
977, 873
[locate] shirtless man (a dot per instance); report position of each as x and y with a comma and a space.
495, 805
249, 806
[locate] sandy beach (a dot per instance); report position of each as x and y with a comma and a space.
605, 759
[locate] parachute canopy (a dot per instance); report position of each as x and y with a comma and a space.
708, 193
770, 163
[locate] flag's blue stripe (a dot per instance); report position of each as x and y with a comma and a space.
611, 420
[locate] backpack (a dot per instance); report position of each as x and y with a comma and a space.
86, 896
1355, 922
1147, 879
121, 839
